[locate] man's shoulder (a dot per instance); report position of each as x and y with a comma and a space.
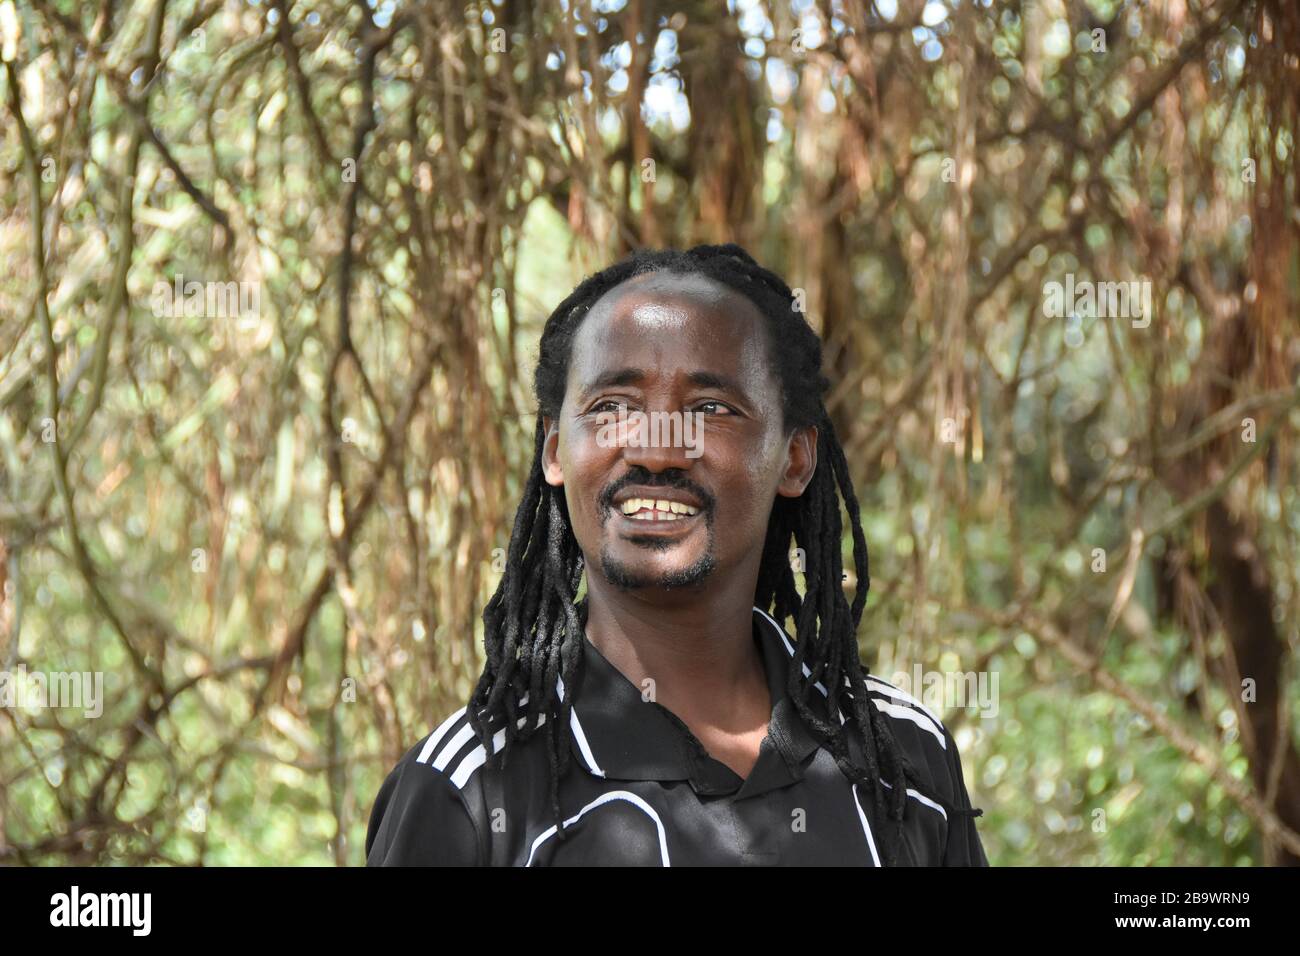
444, 748
899, 705
433, 804
454, 750
917, 729
930, 750
925, 740
421, 814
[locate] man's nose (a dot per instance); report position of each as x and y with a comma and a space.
660, 442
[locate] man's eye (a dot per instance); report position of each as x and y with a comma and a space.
608, 405
714, 408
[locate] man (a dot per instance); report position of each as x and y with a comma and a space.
667, 717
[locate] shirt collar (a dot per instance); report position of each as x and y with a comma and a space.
618, 734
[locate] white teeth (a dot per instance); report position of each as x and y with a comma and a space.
656, 509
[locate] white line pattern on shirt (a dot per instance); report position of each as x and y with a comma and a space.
603, 799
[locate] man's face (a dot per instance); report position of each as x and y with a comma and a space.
666, 508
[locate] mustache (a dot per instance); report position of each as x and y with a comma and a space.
671, 478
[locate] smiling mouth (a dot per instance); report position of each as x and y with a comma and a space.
656, 509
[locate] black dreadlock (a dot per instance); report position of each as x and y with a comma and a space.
534, 623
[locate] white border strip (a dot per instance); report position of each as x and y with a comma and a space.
579, 737
866, 827
437, 735
604, 798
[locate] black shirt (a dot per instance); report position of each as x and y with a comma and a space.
642, 790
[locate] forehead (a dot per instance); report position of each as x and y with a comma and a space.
664, 322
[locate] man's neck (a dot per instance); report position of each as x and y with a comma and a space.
698, 649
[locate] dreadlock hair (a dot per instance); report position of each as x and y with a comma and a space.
533, 625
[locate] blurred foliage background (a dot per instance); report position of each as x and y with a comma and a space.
274, 532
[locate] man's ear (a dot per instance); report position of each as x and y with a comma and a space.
551, 469
801, 462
